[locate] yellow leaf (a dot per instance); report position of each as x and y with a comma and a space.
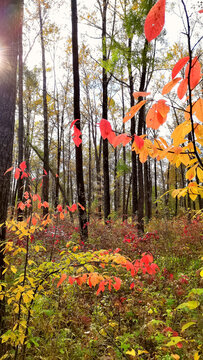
132, 352
175, 356
200, 174
196, 356
201, 273
193, 196
37, 248
13, 269
180, 132
190, 174
190, 305
184, 327
140, 352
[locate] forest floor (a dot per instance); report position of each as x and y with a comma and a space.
151, 313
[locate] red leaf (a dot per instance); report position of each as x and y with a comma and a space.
10, 169
195, 73
17, 173
76, 136
155, 20
59, 208
117, 284
139, 141
200, 11
45, 204
23, 166
21, 206
105, 128
182, 88
26, 195
73, 122
111, 137
179, 65
57, 176
45, 172
101, 287
132, 285
63, 277
71, 280
73, 208
34, 221
24, 174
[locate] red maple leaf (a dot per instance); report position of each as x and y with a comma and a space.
105, 128
76, 136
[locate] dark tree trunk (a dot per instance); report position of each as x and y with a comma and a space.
20, 109
104, 116
9, 25
89, 171
78, 149
45, 186
141, 126
132, 131
155, 186
124, 159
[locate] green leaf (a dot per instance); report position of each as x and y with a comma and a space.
190, 305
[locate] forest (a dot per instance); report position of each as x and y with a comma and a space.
101, 173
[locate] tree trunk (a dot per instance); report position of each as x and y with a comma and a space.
20, 109
45, 186
104, 116
9, 25
78, 149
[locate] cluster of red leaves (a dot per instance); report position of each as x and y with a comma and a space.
173, 333
76, 133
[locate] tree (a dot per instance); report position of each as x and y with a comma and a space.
78, 147
45, 185
9, 25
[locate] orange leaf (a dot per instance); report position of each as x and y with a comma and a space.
63, 277
82, 207
137, 94
155, 20
154, 118
168, 87
45, 204
179, 65
197, 109
195, 73
10, 169
121, 139
182, 88
34, 221
162, 108
61, 216
133, 110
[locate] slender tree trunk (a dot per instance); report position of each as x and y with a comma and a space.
155, 187
105, 116
124, 159
78, 149
45, 186
9, 25
132, 130
20, 108
89, 171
